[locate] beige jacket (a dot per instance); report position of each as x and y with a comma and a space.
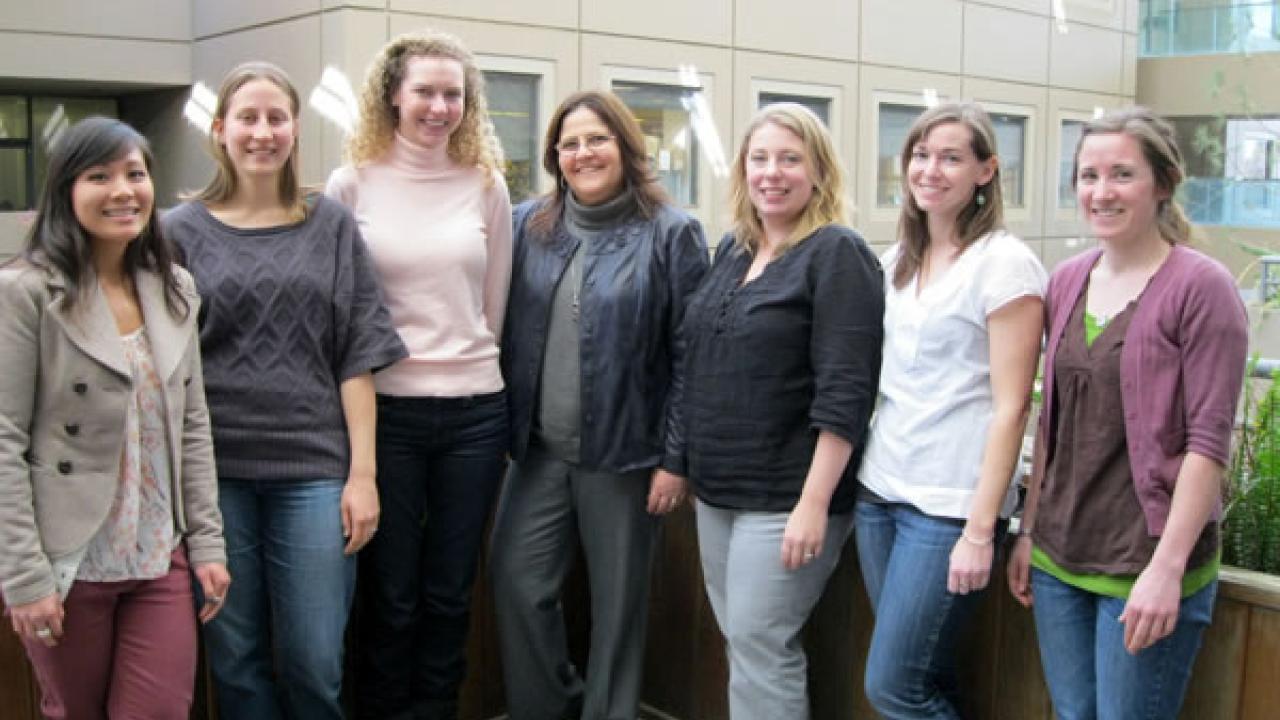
64, 387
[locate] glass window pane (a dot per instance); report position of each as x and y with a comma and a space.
513, 107
1070, 134
13, 179
1011, 136
51, 116
13, 118
821, 106
895, 122
662, 111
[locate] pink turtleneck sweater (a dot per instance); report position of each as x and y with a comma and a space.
440, 237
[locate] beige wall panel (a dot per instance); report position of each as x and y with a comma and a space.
1055, 250
1066, 104
1039, 7
213, 17
95, 59
366, 4
822, 28
556, 13
648, 60
293, 45
878, 224
696, 21
1210, 84
753, 71
1129, 81
1086, 58
556, 46
155, 19
921, 34
1025, 221
349, 40
1103, 13
1006, 44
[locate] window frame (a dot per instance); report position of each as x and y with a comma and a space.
829, 93
1024, 213
544, 104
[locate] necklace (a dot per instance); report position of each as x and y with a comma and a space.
575, 269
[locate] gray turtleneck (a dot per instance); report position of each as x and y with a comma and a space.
559, 417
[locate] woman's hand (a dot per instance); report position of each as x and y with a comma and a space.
970, 565
666, 491
214, 581
803, 537
1152, 610
360, 512
40, 621
1019, 571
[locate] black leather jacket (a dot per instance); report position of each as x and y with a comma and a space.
636, 279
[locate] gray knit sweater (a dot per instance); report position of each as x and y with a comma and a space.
287, 314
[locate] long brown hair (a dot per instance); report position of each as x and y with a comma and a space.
978, 218
222, 187
637, 172
1156, 138
473, 144
827, 205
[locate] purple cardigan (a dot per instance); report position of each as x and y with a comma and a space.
1180, 370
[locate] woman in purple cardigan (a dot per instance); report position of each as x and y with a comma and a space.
1146, 351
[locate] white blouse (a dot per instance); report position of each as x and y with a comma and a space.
930, 427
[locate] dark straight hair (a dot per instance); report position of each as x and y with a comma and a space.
59, 243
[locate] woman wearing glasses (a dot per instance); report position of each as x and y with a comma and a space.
602, 267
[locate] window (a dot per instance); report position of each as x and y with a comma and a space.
1068, 138
670, 142
513, 107
1011, 143
29, 129
894, 123
821, 106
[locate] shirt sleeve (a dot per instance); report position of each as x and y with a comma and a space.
686, 265
1214, 337
342, 186
847, 335
497, 274
366, 339
1011, 271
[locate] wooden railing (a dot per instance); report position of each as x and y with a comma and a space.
1237, 675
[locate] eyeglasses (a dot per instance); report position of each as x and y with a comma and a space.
574, 145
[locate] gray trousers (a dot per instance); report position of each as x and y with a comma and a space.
761, 606
545, 503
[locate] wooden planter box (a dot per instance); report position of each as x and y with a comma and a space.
1235, 675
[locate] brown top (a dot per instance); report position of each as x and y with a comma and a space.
1091, 521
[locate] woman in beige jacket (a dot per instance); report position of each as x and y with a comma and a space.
107, 487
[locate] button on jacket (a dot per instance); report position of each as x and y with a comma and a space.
635, 281
772, 362
64, 391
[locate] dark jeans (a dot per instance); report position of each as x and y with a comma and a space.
440, 461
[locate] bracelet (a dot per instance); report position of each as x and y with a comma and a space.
964, 535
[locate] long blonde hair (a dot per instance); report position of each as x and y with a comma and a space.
474, 143
1156, 138
981, 216
223, 185
826, 206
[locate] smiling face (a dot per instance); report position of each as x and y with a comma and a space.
779, 183
258, 130
113, 201
944, 173
430, 100
590, 160
1116, 188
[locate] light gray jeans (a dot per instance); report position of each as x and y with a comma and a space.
761, 606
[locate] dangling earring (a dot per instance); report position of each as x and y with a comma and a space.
979, 198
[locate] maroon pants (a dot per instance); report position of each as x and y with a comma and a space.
128, 650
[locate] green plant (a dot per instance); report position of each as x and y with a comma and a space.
1251, 523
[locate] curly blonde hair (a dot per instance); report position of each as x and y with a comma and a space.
474, 143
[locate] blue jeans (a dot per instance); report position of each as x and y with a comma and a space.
1091, 675
440, 461
905, 557
276, 647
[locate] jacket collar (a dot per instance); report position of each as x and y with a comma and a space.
92, 328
